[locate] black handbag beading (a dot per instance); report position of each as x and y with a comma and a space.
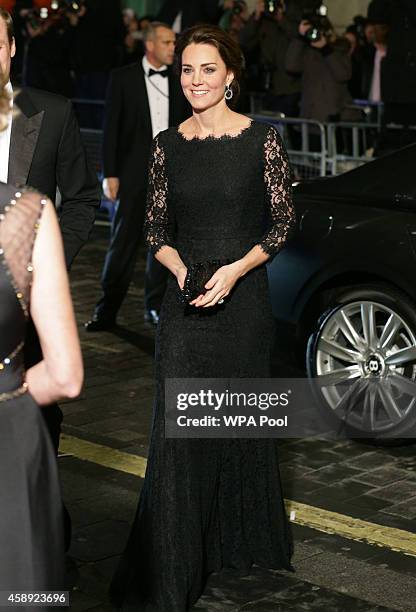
197, 276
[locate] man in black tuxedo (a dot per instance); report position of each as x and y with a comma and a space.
182, 14
143, 99
47, 153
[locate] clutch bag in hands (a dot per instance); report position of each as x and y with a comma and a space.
197, 276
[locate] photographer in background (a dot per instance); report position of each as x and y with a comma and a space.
183, 14
323, 61
398, 68
97, 45
48, 37
235, 16
268, 33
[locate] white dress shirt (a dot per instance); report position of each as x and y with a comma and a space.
158, 95
5, 140
375, 91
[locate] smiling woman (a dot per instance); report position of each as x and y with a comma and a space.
205, 49
219, 207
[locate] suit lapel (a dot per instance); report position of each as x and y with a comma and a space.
24, 136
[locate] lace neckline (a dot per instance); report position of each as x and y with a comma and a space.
212, 138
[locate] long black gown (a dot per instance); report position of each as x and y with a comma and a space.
210, 504
31, 531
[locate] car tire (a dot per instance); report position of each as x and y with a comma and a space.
385, 300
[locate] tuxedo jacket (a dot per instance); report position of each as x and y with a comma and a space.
128, 128
193, 12
47, 153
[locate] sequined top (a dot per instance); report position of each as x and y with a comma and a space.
20, 212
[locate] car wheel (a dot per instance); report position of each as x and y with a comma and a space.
362, 359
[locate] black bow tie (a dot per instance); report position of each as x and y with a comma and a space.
163, 73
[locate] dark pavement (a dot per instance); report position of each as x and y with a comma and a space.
353, 505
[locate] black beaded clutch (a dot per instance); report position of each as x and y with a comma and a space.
197, 277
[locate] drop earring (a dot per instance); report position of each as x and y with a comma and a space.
228, 93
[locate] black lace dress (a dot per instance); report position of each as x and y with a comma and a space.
31, 531
210, 504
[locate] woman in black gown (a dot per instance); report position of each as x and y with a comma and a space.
220, 189
33, 282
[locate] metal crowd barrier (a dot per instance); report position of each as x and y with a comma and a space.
306, 143
373, 111
323, 149
350, 145
90, 113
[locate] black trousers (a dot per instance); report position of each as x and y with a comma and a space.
126, 238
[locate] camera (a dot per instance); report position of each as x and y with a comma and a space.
72, 6
35, 17
319, 23
273, 5
67, 6
238, 7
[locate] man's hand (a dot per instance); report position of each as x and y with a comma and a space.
111, 186
74, 18
304, 27
34, 32
321, 43
260, 9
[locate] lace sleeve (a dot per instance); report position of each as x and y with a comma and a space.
18, 227
278, 185
156, 223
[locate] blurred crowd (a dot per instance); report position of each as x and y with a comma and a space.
296, 63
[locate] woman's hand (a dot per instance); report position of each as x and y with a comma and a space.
180, 274
219, 285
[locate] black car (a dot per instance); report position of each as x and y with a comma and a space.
344, 290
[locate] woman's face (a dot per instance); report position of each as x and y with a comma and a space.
204, 76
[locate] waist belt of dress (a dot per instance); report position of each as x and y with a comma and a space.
4, 397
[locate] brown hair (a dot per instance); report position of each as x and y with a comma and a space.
7, 18
227, 47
